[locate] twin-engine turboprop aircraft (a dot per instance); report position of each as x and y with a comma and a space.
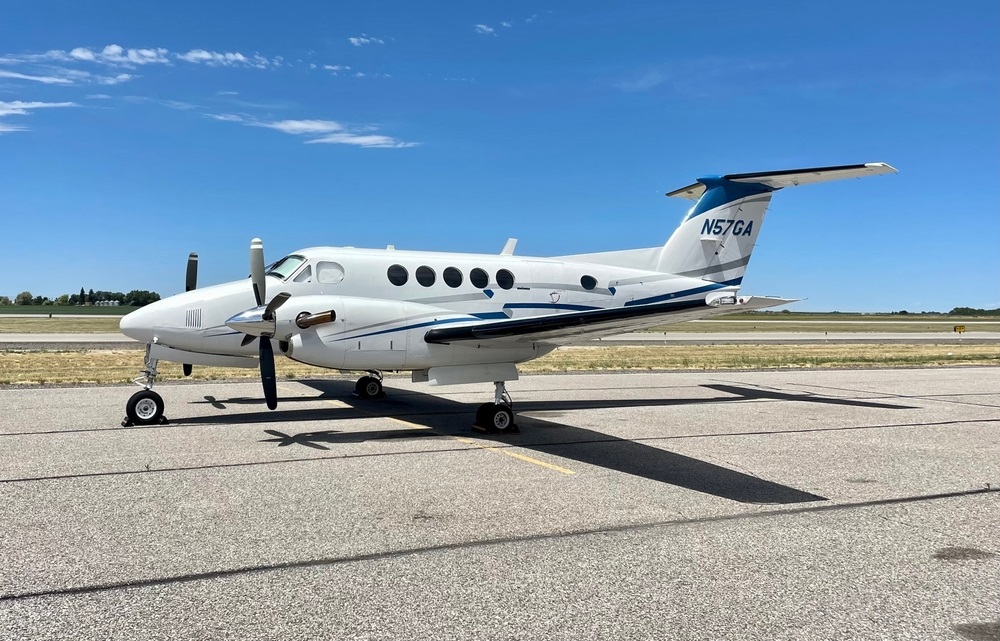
462, 318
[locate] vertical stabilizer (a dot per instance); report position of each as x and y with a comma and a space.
716, 238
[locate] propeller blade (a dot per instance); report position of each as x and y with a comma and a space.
267, 373
191, 280
247, 339
257, 270
275, 303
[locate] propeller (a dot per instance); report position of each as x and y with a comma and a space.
191, 282
261, 321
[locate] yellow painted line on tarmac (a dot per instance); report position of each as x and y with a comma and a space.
520, 457
408, 424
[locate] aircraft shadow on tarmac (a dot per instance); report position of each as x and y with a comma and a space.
449, 418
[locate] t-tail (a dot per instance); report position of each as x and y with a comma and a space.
716, 238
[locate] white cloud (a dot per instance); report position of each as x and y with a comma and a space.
322, 131
363, 140
227, 93
484, 28
109, 55
114, 80
48, 80
303, 126
23, 108
225, 59
336, 68
365, 39
506, 23
98, 96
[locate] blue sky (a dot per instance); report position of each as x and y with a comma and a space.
131, 134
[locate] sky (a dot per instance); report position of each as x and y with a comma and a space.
134, 133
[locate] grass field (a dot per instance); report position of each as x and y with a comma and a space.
120, 366
55, 310
849, 323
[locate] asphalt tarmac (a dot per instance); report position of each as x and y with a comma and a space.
721, 505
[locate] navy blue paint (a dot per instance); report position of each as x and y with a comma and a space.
720, 191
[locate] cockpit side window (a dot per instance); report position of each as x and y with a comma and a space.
305, 275
286, 266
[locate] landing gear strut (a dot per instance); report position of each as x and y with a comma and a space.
497, 417
146, 406
370, 386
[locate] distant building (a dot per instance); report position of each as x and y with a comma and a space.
107, 303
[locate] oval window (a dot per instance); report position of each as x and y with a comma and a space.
425, 275
330, 273
505, 279
479, 278
588, 282
398, 275
452, 277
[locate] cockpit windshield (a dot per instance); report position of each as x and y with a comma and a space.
286, 266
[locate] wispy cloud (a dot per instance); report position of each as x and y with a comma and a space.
226, 59
484, 29
644, 82
108, 64
506, 23
336, 69
24, 108
365, 39
322, 131
48, 80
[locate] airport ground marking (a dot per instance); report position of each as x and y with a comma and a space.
507, 452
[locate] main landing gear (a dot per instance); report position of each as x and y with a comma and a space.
370, 386
497, 417
146, 406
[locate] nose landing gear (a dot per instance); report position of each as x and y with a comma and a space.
146, 406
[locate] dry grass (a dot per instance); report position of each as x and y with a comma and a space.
120, 366
56, 325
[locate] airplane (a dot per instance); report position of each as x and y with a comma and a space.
453, 318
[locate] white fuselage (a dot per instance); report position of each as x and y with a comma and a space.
381, 325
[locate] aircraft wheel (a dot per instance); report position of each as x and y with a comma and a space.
145, 408
368, 387
499, 418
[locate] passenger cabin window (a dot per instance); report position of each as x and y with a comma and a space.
452, 277
329, 273
588, 282
398, 275
286, 266
304, 275
505, 279
479, 278
425, 275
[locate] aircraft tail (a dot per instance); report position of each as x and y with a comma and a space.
716, 238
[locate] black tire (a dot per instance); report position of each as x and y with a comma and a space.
482, 414
368, 387
145, 408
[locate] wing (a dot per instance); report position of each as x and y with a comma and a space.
575, 327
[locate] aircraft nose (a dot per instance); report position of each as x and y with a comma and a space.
138, 325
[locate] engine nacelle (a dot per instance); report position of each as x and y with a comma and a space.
365, 333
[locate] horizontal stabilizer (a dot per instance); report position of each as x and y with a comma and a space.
791, 177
